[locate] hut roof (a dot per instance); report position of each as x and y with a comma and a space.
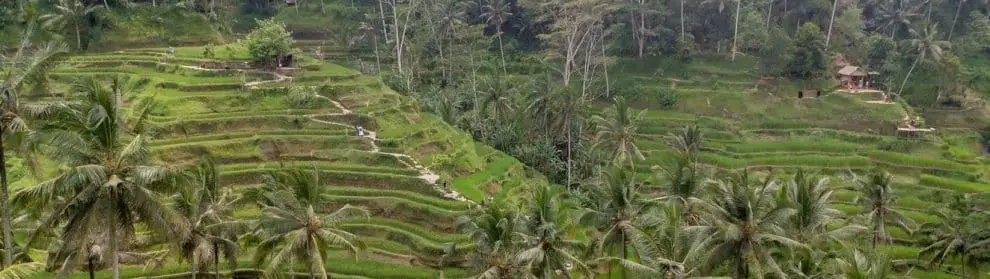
852, 71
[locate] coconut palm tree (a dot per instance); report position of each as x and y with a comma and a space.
21, 270
929, 48
613, 204
683, 180
688, 141
291, 228
616, 130
498, 98
496, 13
69, 12
855, 264
546, 226
746, 226
494, 227
666, 248
961, 234
894, 15
26, 67
878, 198
811, 198
109, 183
208, 212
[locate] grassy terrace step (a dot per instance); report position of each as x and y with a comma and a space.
241, 124
373, 224
953, 184
444, 204
327, 141
847, 136
321, 165
432, 218
824, 146
229, 136
378, 181
221, 115
911, 161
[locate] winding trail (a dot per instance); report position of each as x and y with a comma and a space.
424, 173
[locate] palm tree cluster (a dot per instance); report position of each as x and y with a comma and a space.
691, 221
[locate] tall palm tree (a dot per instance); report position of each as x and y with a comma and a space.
928, 46
494, 229
955, 19
613, 205
894, 15
688, 141
616, 130
961, 234
292, 229
683, 180
109, 183
27, 67
855, 264
496, 13
811, 198
546, 226
208, 212
666, 248
746, 226
68, 12
498, 99
21, 270
878, 199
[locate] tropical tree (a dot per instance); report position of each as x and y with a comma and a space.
208, 212
546, 226
496, 13
810, 196
746, 226
616, 130
613, 204
494, 227
291, 229
894, 15
21, 270
666, 248
877, 196
855, 264
961, 234
688, 141
929, 48
109, 184
69, 12
27, 67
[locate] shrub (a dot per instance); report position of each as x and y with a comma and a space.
269, 40
302, 97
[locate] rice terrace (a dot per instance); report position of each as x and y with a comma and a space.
495, 139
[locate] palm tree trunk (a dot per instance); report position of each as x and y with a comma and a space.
735, 36
954, 19
622, 239
901, 90
114, 261
78, 38
216, 259
682, 20
501, 51
831, 21
323, 7
769, 14
194, 266
381, 13
92, 273
5, 205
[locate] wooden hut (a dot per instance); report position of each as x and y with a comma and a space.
852, 77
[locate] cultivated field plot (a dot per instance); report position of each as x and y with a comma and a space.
767, 126
411, 171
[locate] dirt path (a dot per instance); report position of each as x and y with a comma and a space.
253, 84
424, 173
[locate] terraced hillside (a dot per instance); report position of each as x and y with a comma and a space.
252, 122
749, 123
